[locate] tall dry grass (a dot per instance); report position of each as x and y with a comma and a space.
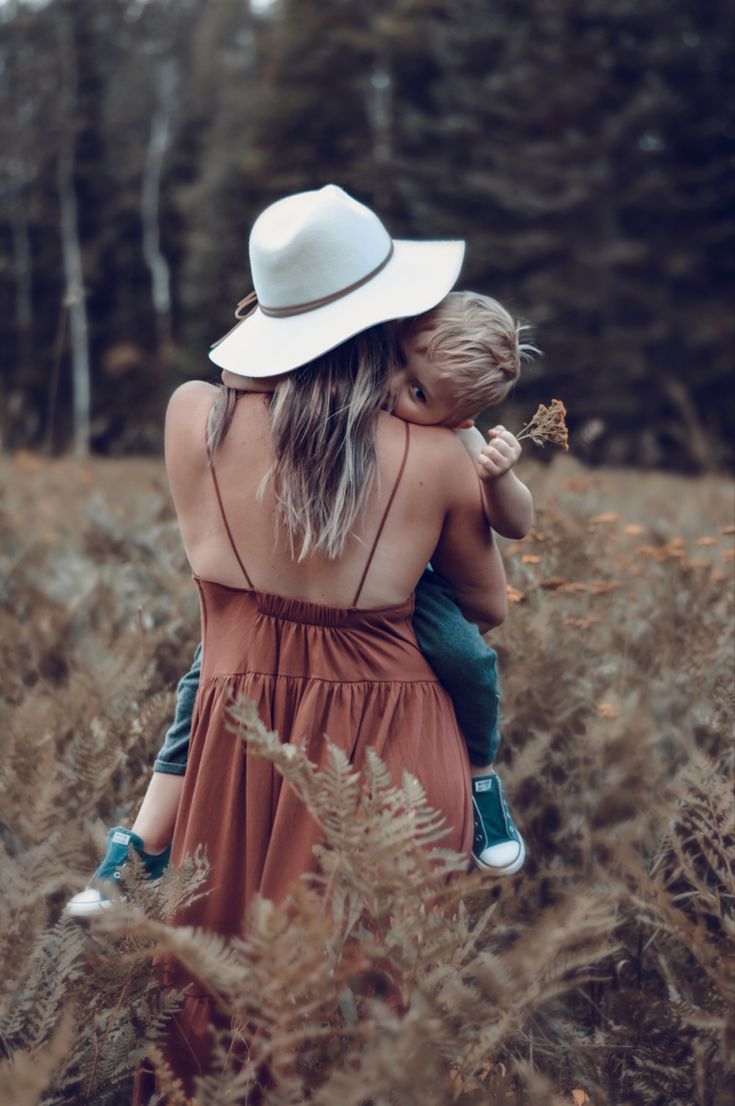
604, 973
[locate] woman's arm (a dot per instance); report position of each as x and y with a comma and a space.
466, 553
187, 465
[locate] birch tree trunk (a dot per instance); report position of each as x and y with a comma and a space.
158, 144
380, 111
70, 240
71, 249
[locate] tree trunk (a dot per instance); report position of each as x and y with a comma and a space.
158, 144
23, 279
71, 250
380, 111
22, 259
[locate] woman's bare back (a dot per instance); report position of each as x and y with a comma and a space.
436, 511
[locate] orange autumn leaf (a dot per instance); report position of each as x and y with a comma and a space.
513, 594
707, 540
608, 516
633, 528
728, 554
460, 1084
580, 1097
602, 587
728, 530
488, 1068
661, 553
25, 461
607, 710
530, 559
553, 582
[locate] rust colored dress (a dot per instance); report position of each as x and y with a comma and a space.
355, 675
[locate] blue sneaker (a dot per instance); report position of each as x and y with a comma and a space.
497, 846
119, 840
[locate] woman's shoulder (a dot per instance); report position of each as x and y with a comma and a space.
188, 401
436, 446
186, 422
192, 394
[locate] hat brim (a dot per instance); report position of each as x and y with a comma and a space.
418, 276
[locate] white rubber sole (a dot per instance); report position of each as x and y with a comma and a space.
508, 869
88, 902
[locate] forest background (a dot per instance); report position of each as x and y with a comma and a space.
584, 148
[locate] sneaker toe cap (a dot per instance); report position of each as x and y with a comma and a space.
500, 856
88, 901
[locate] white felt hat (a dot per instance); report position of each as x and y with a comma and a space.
324, 268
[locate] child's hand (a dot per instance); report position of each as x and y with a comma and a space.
500, 454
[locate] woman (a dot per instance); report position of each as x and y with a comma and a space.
308, 515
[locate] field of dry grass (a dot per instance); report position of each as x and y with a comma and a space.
605, 973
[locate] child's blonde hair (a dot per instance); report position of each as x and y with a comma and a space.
478, 344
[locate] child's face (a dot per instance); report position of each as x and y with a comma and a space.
421, 393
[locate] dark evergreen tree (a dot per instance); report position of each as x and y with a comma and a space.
583, 148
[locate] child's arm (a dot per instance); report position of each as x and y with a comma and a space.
508, 502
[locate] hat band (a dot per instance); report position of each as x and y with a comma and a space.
312, 305
251, 300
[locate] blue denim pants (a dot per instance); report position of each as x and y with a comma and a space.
454, 648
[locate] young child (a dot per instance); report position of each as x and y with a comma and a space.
458, 359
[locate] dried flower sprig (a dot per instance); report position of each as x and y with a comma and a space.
548, 425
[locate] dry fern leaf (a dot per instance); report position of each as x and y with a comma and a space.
24, 1078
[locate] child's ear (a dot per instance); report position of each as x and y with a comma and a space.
466, 425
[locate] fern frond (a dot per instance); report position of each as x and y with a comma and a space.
24, 1079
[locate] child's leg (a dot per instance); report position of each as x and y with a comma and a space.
467, 667
464, 663
153, 827
174, 753
154, 823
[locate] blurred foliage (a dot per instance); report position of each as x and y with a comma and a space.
603, 974
583, 148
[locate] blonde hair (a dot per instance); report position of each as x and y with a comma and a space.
478, 344
323, 425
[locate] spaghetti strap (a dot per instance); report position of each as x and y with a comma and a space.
383, 520
227, 525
